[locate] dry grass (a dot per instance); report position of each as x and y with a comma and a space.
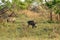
19, 31
29, 38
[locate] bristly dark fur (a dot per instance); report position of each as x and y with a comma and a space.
32, 23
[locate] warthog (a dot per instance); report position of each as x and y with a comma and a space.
11, 19
32, 23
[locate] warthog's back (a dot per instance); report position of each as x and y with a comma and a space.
31, 22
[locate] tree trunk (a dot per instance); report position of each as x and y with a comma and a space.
50, 15
59, 17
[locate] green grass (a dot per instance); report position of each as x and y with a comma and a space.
19, 30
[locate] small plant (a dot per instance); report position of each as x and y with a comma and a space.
50, 21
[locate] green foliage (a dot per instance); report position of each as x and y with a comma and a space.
57, 8
18, 4
54, 2
23, 5
8, 4
49, 21
0, 7
51, 4
29, 1
57, 11
3, 1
